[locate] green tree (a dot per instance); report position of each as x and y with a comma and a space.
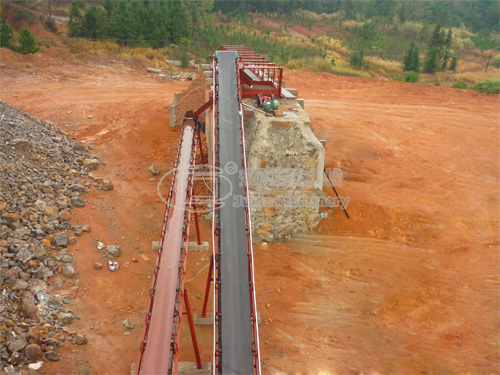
27, 42
431, 63
411, 61
356, 59
6, 34
453, 63
75, 18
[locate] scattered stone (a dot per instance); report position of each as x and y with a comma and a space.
89, 117
127, 324
11, 370
61, 239
33, 352
91, 147
11, 217
35, 366
97, 266
21, 144
86, 228
64, 215
19, 343
29, 307
68, 270
77, 202
145, 257
81, 339
91, 164
66, 258
65, 318
113, 251
51, 356
71, 240
153, 171
107, 185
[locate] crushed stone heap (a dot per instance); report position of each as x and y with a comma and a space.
43, 174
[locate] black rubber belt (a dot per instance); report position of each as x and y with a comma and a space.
236, 328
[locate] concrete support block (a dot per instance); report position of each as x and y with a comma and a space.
172, 117
210, 81
193, 246
208, 74
206, 67
155, 246
300, 102
323, 143
189, 368
294, 92
176, 99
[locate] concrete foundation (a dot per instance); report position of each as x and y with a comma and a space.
285, 164
172, 117
193, 246
189, 368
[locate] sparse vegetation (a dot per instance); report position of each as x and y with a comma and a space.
459, 85
411, 77
488, 86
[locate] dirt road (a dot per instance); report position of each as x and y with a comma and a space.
408, 285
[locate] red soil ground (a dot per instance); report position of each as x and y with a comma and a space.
408, 285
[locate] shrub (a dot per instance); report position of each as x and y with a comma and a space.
488, 86
411, 77
459, 85
332, 61
437, 83
356, 59
6, 34
496, 61
50, 24
27, 42
399, 78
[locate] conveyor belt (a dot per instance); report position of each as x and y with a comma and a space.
157, 353
235, 336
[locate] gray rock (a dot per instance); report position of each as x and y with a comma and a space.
77, 202
113, 251
61, 239
29, 307
91, 164
51, 356
65, 318
107, 185
81, 339
11, 370
33, 352
127, 324
72, 240
19, 343
21, 144
20, 285
153, 170
68, 270
97, 266
66, 258
24, 255
86, 228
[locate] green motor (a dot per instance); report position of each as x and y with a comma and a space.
270, 105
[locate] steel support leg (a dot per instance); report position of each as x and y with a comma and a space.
207, 288
193, 332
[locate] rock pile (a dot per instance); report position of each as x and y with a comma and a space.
43, 175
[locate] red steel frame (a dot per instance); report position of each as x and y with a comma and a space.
181, 294
270, 75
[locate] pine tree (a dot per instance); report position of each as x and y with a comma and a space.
431, 63
453, 63
27, 42
411, 61
6, 34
